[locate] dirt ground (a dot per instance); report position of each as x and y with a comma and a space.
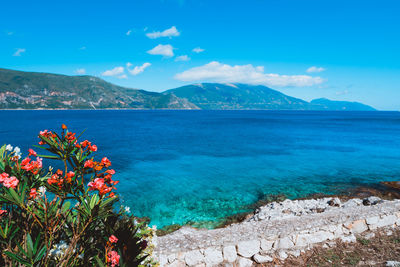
376, 251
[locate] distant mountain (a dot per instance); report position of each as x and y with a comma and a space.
237, 96
32, 90
244, 96
326, 104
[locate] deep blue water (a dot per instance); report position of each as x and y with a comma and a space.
201, 166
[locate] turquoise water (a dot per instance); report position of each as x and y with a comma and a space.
179, 167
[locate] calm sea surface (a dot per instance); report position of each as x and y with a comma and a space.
201, 166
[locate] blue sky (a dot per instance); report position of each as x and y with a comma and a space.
344, 50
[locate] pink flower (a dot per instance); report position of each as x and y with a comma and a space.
113, 258
11, 182
2, 212
113, 239
3, 176
32, 152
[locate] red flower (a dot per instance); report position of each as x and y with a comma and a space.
88, 164
113, 258
70, 137
106, 162
33, 194
69, 176
32, 152
93, 148
112, 172
113, 239
2, 212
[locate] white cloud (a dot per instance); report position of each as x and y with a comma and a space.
115, 72
129, 32
315, 69
137, 69
218, 72
123, 76
166, 33
19, 52
182, 58
163, 50
198, 50
80, 71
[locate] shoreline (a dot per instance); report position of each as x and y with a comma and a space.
384, 190
277, 230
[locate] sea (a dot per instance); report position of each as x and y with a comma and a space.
200, 167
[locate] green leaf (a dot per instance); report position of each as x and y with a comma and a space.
99, 262
15, 196
40, 254
29, 246
49, 157
17, 258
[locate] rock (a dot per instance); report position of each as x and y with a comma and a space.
371, 201
349, 239
369, 235
230, 254
266, 245
228, 264
163, 260
335, 202
176, 263
212, 256
282, 255
295, 252
354, 202
376, 222
194, 257
283, 243
262, 259
393, 263
243, 262
171, 258
357, 227
248, 248
304, 240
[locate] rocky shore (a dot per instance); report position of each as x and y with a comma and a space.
277, 230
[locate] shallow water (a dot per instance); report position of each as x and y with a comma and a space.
201, 166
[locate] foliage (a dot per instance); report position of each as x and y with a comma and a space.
65, 217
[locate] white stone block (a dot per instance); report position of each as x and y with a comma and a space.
194, 257
213, 256
243, 262
283, 243
262, 259
230, 253
248, 248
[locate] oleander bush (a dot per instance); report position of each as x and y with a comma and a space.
68, 216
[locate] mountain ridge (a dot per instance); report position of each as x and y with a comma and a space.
39, 90
244, 96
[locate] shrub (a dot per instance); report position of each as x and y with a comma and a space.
68, 216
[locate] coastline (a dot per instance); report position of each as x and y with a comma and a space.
383, 190
279, 229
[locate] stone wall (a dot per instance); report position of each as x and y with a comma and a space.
295, 227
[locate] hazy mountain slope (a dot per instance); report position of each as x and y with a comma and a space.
31, 90
237, 96
326, 104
